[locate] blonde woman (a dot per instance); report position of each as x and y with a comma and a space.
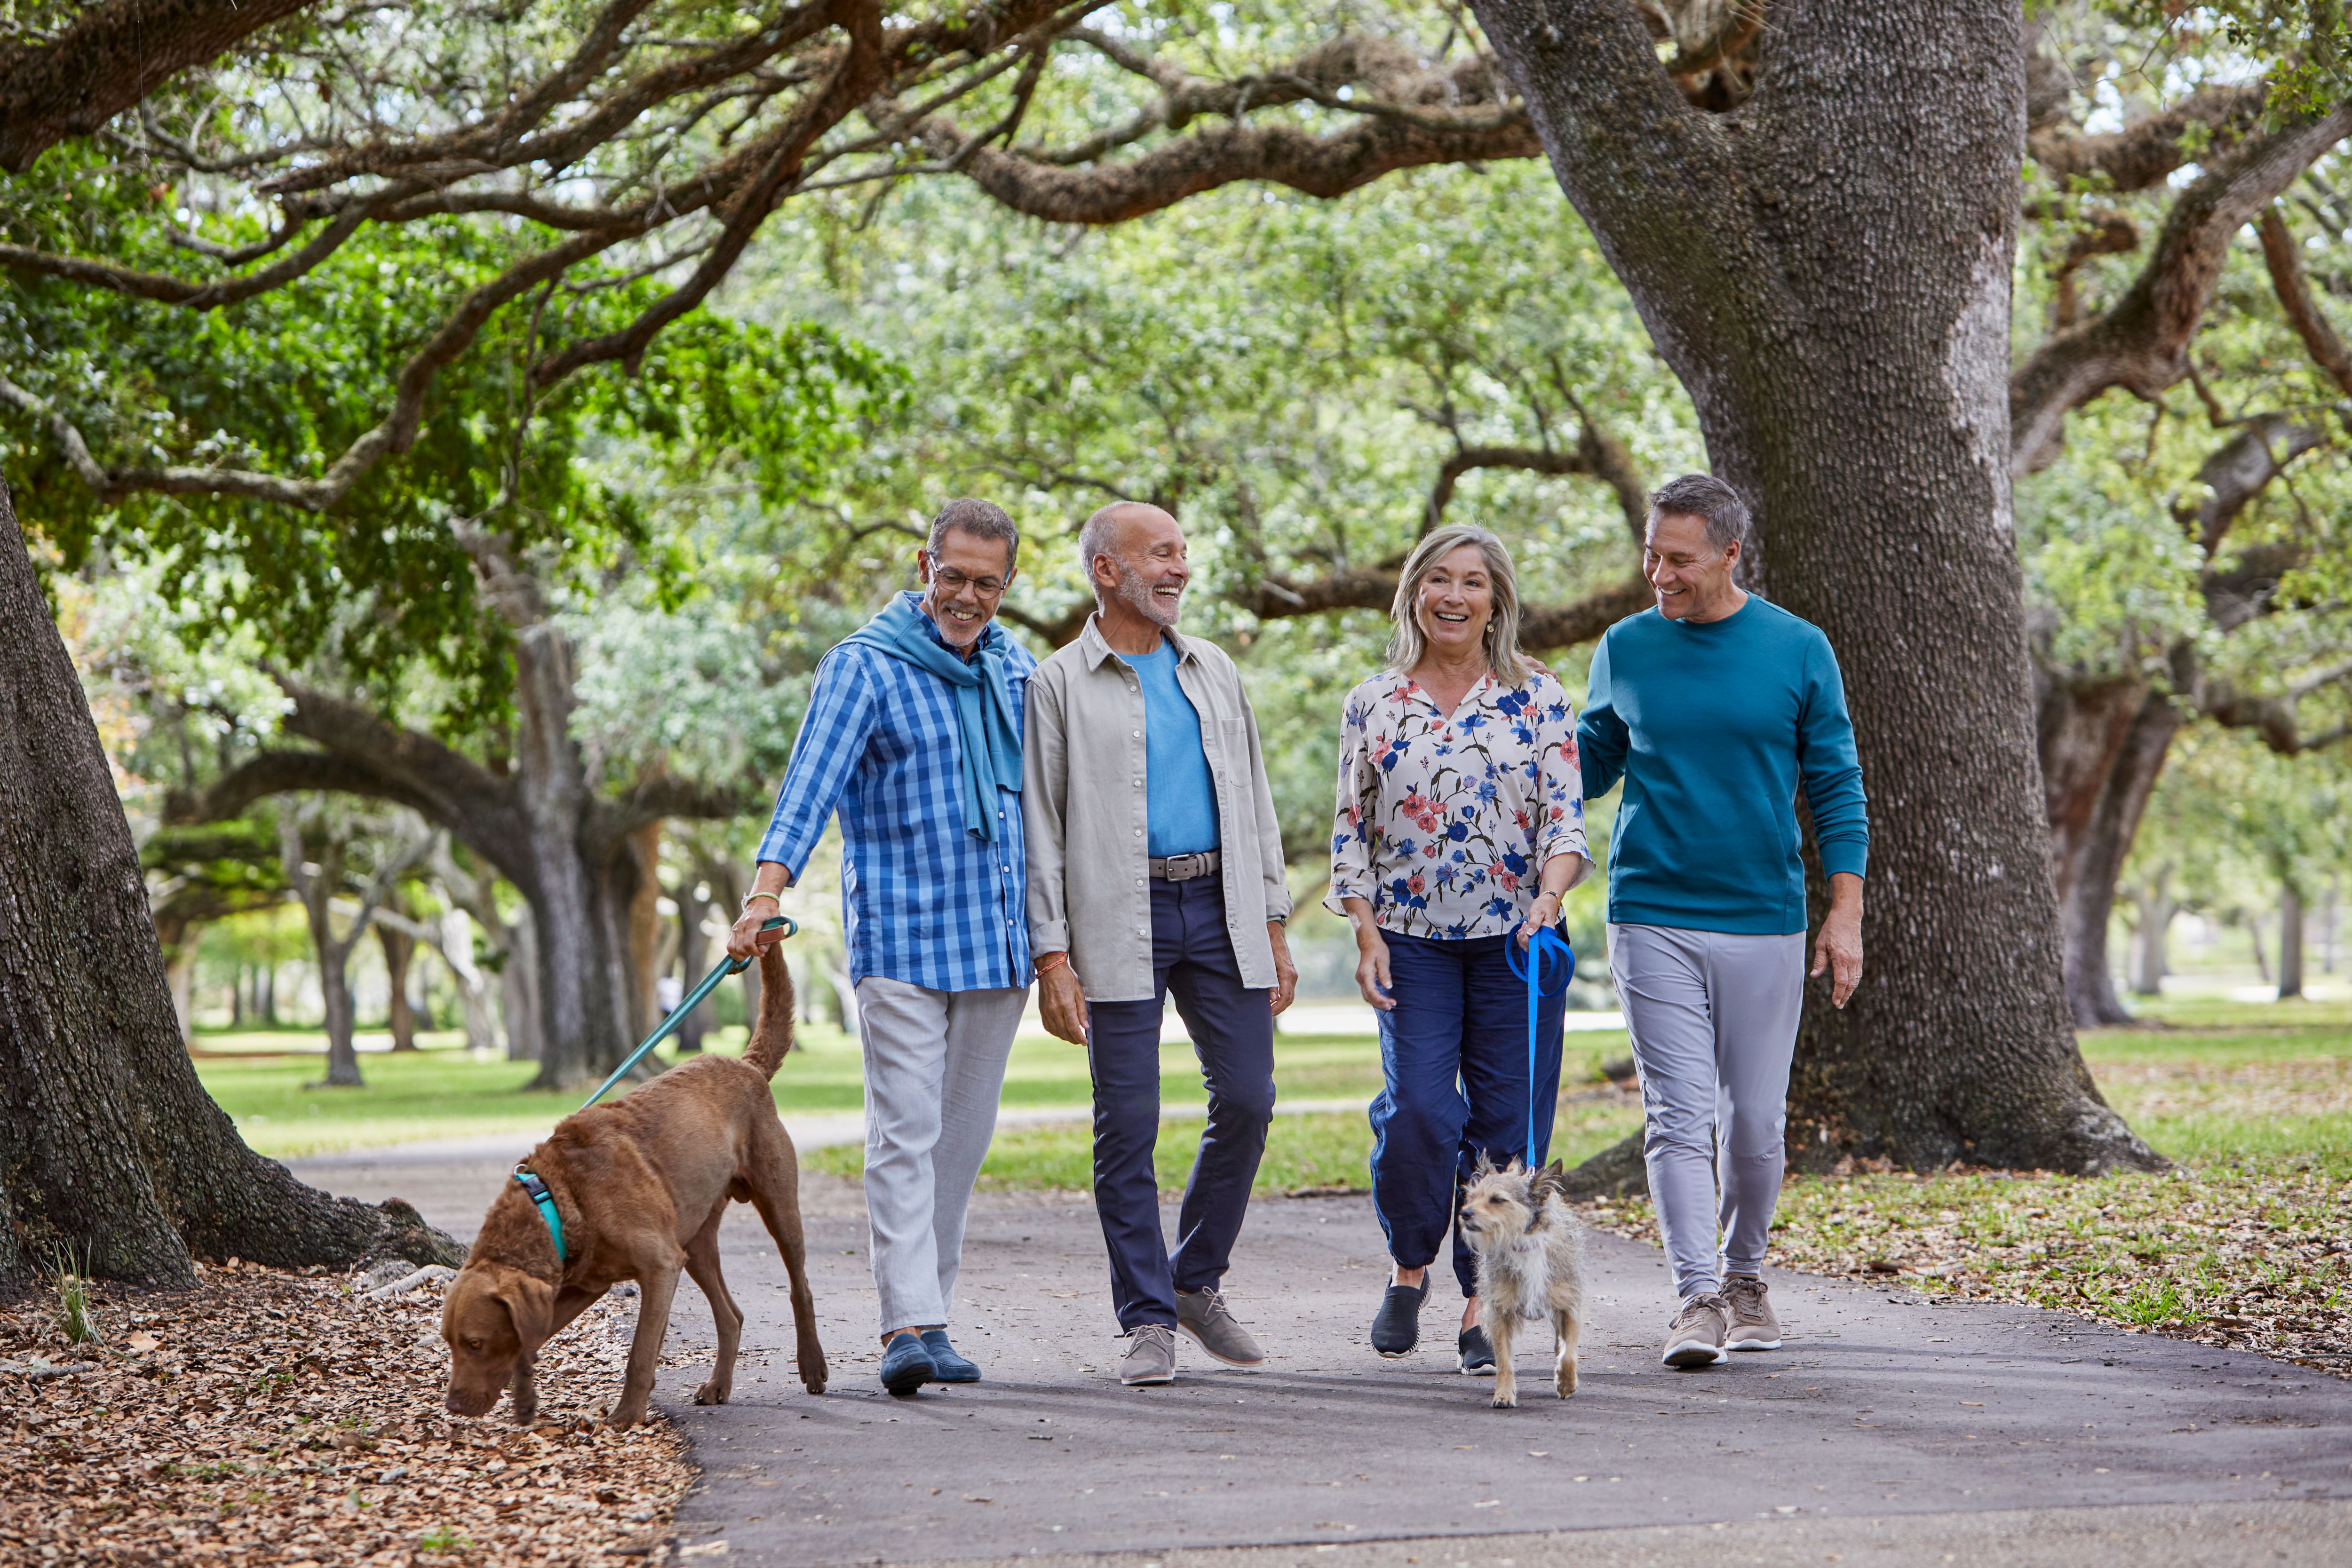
1460, 824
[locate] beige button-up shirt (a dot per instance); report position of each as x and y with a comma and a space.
1082, 809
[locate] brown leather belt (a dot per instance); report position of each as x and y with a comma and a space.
1184, 868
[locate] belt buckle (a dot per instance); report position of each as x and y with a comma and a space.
1191, 865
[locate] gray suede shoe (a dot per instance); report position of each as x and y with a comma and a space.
1695, 1339
1753, 1327
1204, 1315
1150, 1356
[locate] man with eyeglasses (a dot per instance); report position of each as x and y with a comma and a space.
914, 733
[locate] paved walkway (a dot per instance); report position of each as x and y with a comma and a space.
1893, 1429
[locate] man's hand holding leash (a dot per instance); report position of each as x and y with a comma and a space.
745, 939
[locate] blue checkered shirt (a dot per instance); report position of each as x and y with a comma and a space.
923, 901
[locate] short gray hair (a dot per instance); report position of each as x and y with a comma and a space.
981, 520
1408, 643
1710, 500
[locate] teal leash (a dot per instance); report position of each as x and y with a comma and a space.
693, 999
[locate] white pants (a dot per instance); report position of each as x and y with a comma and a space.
1714, 1020
934, 1068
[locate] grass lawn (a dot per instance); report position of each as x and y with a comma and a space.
262, 1081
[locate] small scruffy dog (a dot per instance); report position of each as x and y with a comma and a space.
1531, 1264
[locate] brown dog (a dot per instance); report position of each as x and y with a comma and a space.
641, 1186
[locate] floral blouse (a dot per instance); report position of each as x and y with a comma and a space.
1445, 821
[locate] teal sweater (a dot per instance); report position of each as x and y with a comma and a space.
1713, 726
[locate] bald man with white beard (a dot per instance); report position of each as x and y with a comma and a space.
1155, 867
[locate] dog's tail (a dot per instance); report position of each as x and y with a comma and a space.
772, 1036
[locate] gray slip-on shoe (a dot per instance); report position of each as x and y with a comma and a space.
1695, 1339
1204, 1315
1150, 1356
1753, 1324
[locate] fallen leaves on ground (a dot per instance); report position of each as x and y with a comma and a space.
2254, 1254
269, 1417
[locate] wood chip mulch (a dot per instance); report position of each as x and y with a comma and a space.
2254, 1253
272, 1418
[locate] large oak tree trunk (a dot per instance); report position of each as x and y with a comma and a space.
1827, 269
109, 1148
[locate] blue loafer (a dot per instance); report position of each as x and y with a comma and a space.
1477, 1356
953, 1367
906, 1365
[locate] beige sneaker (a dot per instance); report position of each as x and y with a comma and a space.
1150, 1356
1204, 1315
1695, 1337
1753, 1327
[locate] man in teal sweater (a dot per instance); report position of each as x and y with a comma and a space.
1715, 708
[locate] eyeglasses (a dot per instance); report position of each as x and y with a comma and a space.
955, 581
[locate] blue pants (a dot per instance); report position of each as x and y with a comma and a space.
1454, 1054
1232, 1028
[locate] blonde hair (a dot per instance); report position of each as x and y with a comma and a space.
1407, 644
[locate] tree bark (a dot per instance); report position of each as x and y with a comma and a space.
2254, 931
2290, 983
399, 948
2102, 746
1827, 270
317, 891
180, 973
109, 1147
112, 55
645, 928
693, 953
2156, 909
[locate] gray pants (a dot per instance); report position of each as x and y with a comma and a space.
1714, 1021
934, 1068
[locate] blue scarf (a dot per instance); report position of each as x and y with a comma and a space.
987, 740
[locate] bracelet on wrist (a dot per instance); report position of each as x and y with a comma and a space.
1048, 962
771, 897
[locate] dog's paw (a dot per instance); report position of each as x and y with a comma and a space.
1506, 1402
813, 1378
711, 1392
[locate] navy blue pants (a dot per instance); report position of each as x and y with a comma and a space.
1232, 1028
1454, 1054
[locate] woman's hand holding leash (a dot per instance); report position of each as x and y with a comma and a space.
1543, 914
1559, 873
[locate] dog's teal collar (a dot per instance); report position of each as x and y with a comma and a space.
547, 1209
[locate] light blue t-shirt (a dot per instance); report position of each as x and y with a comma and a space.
1180, 799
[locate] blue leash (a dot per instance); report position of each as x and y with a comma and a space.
1545, 942
693, 999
